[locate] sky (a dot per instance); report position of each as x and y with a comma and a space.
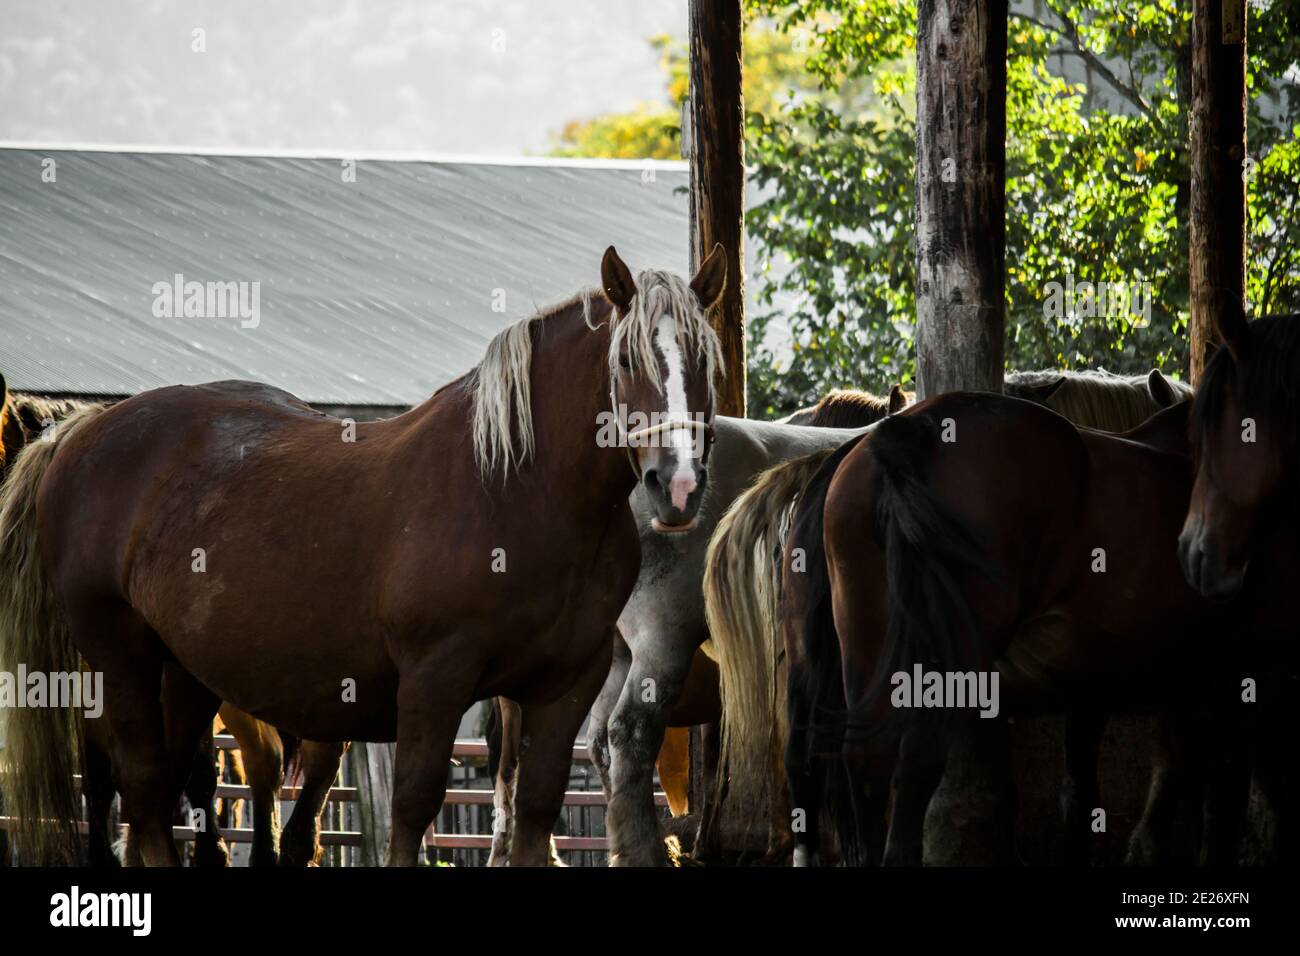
465, 77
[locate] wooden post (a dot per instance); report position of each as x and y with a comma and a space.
716, 142
373, 767
717, 155
1217, 240
961, 125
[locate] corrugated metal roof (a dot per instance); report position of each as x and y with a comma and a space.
373, 292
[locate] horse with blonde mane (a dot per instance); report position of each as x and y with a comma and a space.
227, 537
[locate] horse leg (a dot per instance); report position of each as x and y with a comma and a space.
545, 760
1276, 779
867, 778
1080, 791
503, 796
209, 847
636, 732
979, 805
805, 774
922, 757
1149, 844
700, 703
263, 756
188, 709
606, 701
1227, 792
98, 791
674, 768
133, 689
428, 715
228, 771
300, 840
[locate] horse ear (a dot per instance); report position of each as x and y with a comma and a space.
1230, 321
1162, 393
616, 280
712, 277
897, 400
1041, 393
29, 418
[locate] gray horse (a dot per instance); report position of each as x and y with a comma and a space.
662, 625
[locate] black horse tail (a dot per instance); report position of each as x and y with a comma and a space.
931, 554
815, 690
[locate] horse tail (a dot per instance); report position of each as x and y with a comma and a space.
930, 554
815, 682
741, 584
42, 744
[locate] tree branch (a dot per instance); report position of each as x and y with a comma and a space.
1283, 255
1067, 30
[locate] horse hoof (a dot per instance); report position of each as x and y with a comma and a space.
805, 857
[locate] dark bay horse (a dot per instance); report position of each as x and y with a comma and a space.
1246, 432
742, 588
229, 537
1242, 533
972, 536
663, 622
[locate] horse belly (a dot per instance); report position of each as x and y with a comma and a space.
559, 656
567, 638
320, 679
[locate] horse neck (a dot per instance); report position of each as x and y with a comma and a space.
570, 390
782, 441
1165, 431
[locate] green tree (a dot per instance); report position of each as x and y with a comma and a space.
1097, 181
1097, 188
774, 72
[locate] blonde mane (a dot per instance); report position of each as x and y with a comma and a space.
1095, 398
501, 385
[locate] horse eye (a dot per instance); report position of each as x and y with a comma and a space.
624, 363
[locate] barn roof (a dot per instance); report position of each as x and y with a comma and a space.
373, 292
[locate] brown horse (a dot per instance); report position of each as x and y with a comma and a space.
849, 408
245, 547
1246, 431
26, 418
977, 537
742, 587
1241, 535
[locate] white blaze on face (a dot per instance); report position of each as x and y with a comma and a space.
680, 439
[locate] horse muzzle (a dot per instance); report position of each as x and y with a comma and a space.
675, 496
1204, 565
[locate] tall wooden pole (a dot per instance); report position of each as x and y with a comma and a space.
716, 137
1217, 231
717, 157
961, 126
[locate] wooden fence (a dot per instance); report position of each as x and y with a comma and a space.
467, 751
